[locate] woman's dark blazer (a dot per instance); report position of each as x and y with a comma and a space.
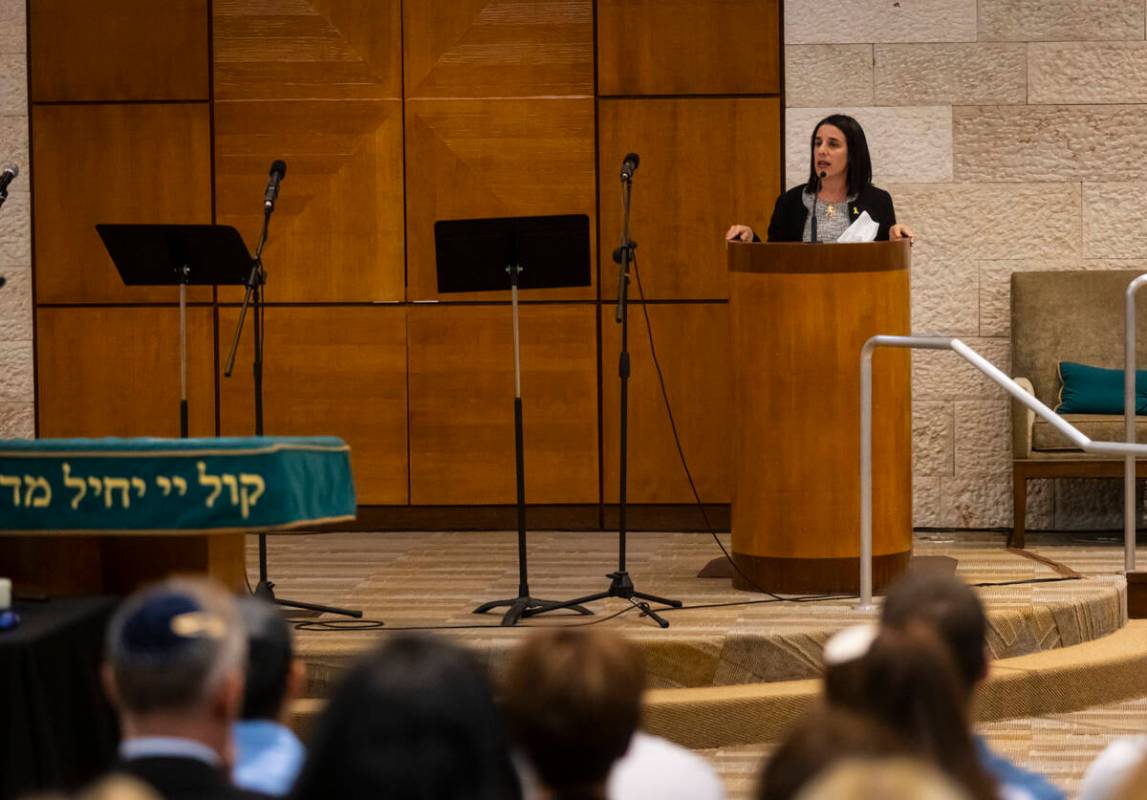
789, 214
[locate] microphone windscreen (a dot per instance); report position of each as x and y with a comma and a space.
15, 170
280, 167
636, 159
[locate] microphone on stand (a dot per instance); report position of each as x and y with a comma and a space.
815, 193
278, 170
7, 176
629, 166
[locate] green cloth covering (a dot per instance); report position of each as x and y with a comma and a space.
1095, 390
176, 485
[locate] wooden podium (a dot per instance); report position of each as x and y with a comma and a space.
799, 315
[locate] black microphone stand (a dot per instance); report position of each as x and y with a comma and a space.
523, 605
621, 584
253, 298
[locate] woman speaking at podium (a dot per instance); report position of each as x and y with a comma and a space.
838, 191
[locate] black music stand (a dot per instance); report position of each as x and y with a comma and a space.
479, 255
183, 255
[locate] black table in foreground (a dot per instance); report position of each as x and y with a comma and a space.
57, 730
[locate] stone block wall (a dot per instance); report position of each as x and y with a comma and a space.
17, 392
1010, 135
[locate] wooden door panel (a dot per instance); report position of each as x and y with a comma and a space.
462, 404
498, 48
286, 49
662, 47
118, 50
470, 159
115, 371
692, 343
705, 164
328, 370
147, 163
337, 231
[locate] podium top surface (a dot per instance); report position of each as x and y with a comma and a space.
814, 259
177, 486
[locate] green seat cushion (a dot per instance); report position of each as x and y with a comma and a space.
1084, 389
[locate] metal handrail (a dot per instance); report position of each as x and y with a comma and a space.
1129, 449
1129, 425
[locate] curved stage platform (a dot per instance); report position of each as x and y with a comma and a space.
1059, 594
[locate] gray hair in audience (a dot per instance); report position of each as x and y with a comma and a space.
170, 645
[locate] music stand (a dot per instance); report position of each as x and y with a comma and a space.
478, 255
183, 255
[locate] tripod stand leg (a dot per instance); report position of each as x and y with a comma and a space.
525, 607
647, 611
652, 598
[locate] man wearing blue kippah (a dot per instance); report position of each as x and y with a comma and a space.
175, 657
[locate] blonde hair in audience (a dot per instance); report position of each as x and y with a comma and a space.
883, 779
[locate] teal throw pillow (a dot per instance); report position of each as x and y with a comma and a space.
1094, 390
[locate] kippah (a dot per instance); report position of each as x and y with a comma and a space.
849, 644
167, 623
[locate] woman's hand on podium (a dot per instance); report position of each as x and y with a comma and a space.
739, 233
898, 231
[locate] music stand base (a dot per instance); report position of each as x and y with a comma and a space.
265, 590
621, 585
525, 606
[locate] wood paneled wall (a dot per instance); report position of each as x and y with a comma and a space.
392, 115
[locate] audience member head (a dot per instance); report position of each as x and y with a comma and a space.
273, 674
818, 741
951, 609
907, 681
414, 721
118, 787
175, 656
883, 779
573, 702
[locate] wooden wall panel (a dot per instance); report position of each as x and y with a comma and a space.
147, 163
329, 371
692, 341
705, 164
494, 158
462, 404
688, 47
115, 371
286, 49
498, 48
118, 50
337, 232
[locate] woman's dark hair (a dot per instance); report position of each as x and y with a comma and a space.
414, 721
859, 173
908, 681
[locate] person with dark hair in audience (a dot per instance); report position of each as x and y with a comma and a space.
414, 721
817, 742
950, 609
906, 680
175, 657
573, 703
268, 755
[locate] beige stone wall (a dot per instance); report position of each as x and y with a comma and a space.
1010, 133
17, 394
